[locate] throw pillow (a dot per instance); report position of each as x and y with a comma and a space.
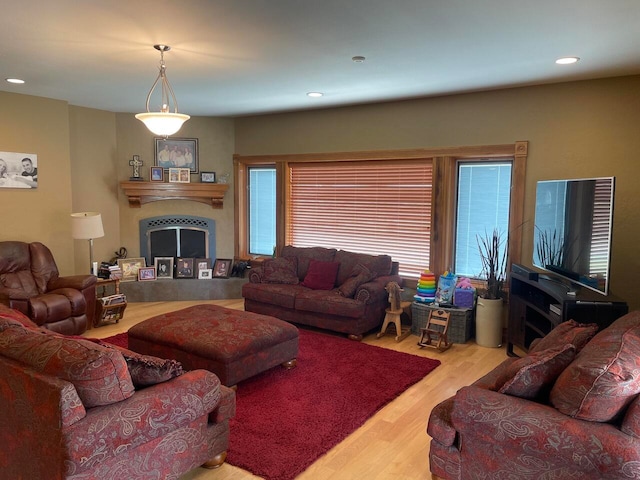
281, 270
534, 374
359, 275
321, 275
603, 379
631, 422
146, 370
570, 331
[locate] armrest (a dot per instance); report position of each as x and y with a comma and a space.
79, 282
255, 275
491, 423
373, 291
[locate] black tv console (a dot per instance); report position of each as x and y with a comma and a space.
538, 306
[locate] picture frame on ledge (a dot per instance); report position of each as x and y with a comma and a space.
204, 274
146, 274
222, 268
184, 267
164, 268
179, 175
202, 264
208, 177
176, 153
129, 268
156, 174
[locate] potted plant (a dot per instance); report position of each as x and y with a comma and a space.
490, 300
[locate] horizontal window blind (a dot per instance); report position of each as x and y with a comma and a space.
601, 233
365, 207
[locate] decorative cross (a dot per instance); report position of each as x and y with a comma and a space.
136, 163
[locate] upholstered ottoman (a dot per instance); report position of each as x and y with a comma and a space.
233, 344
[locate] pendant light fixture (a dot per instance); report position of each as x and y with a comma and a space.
164, 122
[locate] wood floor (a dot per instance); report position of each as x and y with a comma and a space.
391, 445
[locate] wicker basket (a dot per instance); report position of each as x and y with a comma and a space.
460, 321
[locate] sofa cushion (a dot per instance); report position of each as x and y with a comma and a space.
330, 303
99, 374
631, 422
321, 275
603, 379
278, 294
570, 331
305, 254
379, 264
534, 374
359, 275
280, 270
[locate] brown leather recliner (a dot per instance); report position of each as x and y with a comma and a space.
30, 282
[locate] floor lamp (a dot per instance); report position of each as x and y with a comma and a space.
87, 226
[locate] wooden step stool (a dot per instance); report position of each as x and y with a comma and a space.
393, 317
436, 329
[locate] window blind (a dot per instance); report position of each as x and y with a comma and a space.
364, 207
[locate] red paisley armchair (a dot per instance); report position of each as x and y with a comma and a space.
30, 282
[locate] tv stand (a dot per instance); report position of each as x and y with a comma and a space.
537, 307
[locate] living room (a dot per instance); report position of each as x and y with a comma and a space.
574, 129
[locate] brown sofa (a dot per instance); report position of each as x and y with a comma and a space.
30, 282
77, 409
354, 303
569, 409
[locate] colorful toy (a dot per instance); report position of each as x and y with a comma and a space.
426, 288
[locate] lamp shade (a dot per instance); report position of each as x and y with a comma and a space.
163, 123
86, 225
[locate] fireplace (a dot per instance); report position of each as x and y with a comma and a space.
177, 236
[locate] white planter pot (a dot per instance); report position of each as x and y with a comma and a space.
489, 322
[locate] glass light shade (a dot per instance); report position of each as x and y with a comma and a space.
86, 225
163, 123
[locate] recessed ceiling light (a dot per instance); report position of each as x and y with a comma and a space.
358, 59
315, 94
567, 60
14, 80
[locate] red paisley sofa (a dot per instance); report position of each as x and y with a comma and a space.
569, 409
323, 287
73, 408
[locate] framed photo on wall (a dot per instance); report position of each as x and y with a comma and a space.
176, 153
222, 268
164, 267
18, 170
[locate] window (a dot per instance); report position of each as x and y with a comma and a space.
398, 202
365, 207
483, 204
262, 210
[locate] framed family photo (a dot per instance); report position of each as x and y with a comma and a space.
202, 264
176, 153
18, 170
130, 267
222, 268
164, 267
179, 175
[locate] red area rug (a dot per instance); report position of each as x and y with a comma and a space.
287, 419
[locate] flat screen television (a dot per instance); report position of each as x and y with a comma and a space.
572, 234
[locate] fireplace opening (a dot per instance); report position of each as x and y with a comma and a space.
177, 236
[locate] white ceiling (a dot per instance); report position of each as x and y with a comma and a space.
241, 57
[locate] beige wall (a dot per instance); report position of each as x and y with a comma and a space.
40, 126
579, 129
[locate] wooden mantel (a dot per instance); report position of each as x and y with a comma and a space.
140, 193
